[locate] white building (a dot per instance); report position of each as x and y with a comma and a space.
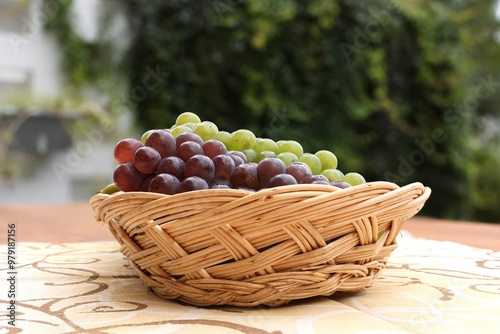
29, 67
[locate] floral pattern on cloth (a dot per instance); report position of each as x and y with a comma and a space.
427, 287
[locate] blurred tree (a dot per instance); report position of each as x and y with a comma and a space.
393, 88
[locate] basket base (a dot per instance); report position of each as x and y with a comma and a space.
304, 285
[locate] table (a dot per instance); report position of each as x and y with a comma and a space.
71, 278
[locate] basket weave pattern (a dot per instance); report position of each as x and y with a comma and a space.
225, 246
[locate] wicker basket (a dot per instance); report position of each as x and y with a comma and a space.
224, 246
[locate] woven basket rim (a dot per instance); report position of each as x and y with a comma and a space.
264, 192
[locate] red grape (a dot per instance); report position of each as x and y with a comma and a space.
171, 165
317, 177
164, 184
146, 160
239, 154
213, 148
246, 189
188, 149
125, 149
224, 166
219, 183
236, 159
267, 168
282, 180
300, 171
200, 165
188, 136
163, 142
192, 183
340, 184
127, 177
245, 175
219, 186
145, 183
321, 182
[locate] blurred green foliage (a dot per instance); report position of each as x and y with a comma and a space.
398, 90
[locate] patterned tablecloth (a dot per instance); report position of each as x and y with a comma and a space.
428, 287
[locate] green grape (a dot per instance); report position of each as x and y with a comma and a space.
280, 142
109, 189
333, 175
265, 154
287, 157
241, 140
265, 144
250, 154
206, 130
328, 159
187, 117
292, 146
177, 130
312, 161
190, 125
354, 178
146, 135
224, 137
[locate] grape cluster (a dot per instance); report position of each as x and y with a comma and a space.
195, 155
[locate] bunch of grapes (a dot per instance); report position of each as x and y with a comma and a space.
195, 155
